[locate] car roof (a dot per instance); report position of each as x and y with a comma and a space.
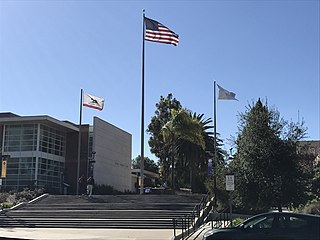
289, 213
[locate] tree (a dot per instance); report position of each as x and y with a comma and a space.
194, 155
188, 137
266, 163
310, 165
158, 146
181, 139
149, 164
315, 182
182, 128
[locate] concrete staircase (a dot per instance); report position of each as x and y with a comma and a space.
103, 211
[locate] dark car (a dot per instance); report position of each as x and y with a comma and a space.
271, 226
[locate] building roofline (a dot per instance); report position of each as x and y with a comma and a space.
146, 172
114, 126
41, 118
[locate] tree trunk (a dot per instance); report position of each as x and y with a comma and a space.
172, 174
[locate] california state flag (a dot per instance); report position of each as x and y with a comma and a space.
92, 101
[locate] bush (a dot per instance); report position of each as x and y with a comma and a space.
312, 208
237, 221
3, 197
6, 205
12, 198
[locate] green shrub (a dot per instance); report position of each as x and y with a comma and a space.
28, 194
12, 198
237, 221
3, 197
312, 208
6, 205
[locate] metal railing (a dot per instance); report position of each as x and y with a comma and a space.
188, 224
222, 219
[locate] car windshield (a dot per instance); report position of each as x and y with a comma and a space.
258, 222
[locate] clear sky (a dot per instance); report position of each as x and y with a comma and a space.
49, 50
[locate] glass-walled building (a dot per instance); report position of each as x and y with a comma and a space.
36, 150
41, 151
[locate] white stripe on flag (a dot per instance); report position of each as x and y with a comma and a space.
93, 102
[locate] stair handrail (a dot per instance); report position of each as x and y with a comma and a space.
222, 219
191, 222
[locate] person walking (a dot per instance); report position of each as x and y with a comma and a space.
82, 185
90, 184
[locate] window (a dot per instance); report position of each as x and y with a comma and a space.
21, 137
20, 172
51, 141
295, 222
50, 173
259, 222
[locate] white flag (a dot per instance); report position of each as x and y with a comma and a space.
225, 94
92, 101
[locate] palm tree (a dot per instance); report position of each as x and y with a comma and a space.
188, 139
197, 156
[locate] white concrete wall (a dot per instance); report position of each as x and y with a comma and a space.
113, 155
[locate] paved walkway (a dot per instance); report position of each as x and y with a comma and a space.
95, 234
87, 234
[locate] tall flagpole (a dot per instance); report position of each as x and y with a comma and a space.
79, 141
215, 146
142, 109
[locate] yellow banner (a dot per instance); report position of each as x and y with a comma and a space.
4, 169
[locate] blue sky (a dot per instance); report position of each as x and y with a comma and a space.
49, 50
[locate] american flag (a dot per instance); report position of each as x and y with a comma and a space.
156, 32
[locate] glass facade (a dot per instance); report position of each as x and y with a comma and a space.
20, 172
37, 164
49, 173
19, 138
51, 141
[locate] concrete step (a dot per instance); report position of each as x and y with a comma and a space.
98, 213
107, 211
87, 223
66, 199
122, 206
